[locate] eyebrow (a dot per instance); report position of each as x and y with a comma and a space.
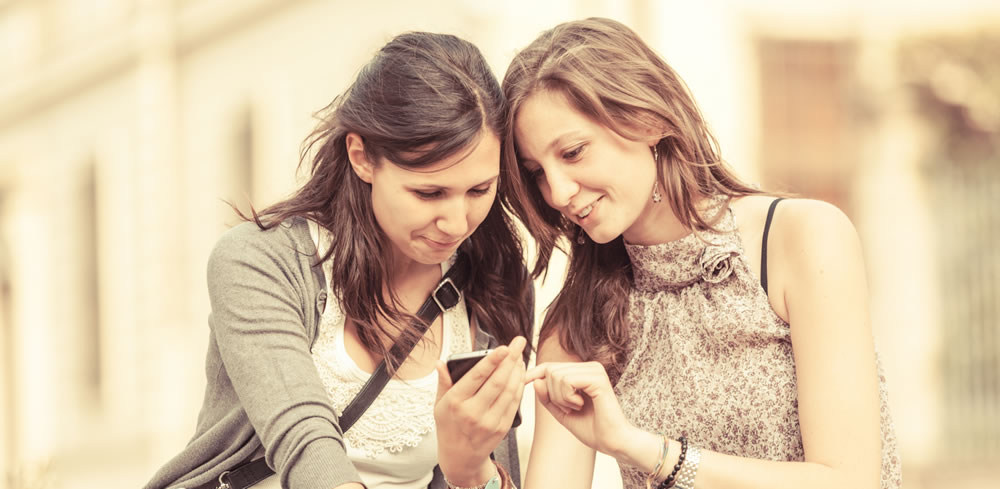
555, 142
441, 187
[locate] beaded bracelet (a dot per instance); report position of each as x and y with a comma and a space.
669, 481
685, 478
659, 464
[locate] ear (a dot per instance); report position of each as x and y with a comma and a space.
356, 155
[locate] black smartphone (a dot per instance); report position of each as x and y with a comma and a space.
460, 363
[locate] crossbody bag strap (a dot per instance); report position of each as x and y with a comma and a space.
446, 295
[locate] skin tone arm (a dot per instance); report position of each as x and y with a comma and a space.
818, 276
553, 445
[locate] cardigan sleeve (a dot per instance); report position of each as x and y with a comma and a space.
259, 292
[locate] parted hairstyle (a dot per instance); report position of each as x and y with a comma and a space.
608, 74
423, 97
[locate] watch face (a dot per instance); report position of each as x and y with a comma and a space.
494, 483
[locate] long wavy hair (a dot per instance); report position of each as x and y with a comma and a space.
610, 75
424, 97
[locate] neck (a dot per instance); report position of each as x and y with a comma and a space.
657, 224
405, 270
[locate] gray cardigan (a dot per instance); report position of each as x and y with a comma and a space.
264, 395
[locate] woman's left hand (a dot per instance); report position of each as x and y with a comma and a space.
475, 413
579, 395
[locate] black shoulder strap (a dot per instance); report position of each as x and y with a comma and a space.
763, 247
445, 296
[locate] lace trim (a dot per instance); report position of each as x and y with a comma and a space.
403, 413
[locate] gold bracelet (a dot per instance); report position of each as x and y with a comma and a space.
659, 464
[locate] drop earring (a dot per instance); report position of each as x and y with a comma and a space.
579, 236
656, 185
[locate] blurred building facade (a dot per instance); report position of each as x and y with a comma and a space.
125, 125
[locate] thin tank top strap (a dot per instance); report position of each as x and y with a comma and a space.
763, 248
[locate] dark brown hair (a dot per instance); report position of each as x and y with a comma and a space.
610, 75
423, 98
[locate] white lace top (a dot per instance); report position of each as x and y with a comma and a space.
393, 444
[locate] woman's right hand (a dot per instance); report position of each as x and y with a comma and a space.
579, 395
474, 414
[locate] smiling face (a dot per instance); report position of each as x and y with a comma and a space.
428, 212
592, 175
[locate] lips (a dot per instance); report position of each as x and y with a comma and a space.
584, 213
441, 245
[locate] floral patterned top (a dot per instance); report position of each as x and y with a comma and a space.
709, 358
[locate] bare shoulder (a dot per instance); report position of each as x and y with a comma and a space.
794, 221
806, 238
815, 225
750, 212
817, 254
550, 350
811, 210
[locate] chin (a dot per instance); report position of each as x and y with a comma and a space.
433, 257
603, 238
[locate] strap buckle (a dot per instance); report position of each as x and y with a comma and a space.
449, 296
224, 484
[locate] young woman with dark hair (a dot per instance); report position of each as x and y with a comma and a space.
312, 293
704, 337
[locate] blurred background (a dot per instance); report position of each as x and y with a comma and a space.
125, 124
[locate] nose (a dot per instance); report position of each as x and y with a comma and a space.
453, 221
561, 189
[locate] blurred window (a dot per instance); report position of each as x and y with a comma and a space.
808, 144
955, 89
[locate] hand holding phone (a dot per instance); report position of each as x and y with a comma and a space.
459, 364
478, 396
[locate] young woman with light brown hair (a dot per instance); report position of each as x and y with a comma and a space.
705, 336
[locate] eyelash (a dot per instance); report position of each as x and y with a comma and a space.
477, 192
428, 195
573, 154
